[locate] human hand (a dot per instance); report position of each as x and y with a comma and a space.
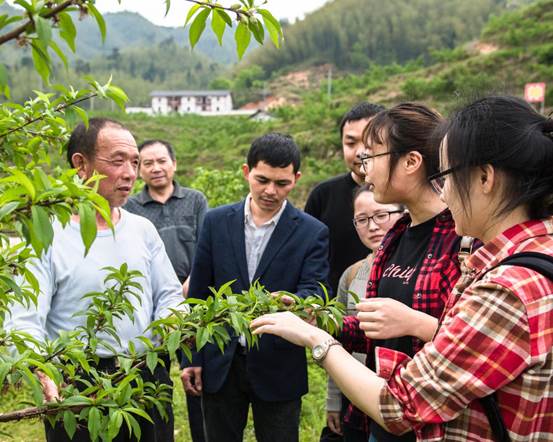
384, 318
49, 387
191, 378
286, 300
334, 422
185, 285
288, 326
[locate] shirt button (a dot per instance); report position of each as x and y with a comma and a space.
419, 295
380, 247
370, 284
429, 256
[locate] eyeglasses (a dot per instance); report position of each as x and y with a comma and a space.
367, 160
378, 218
437, 181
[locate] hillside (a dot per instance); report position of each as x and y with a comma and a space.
353, 34
514, 48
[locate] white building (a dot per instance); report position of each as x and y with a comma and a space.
199, 102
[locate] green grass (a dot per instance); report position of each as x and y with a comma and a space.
312, 415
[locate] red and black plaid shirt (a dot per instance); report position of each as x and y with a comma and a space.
437, 276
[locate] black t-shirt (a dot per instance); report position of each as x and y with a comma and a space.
331, 203
398, 282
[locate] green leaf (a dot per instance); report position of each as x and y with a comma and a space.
82, 114
70, 423
272, 25
3, 75
43, 29
257, 30
225, 17
167, 6
191, 12
87, 219
151, 360
118, 95
67, 29
8, 208
99, 20
4, 370
218, 25
173, 341
94, 423
20, 178
201, 338
42, 226
133, 426
115, 421
140, 413
198, 26
242, 37
40, 60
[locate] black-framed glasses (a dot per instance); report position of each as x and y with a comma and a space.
437, 180
378, 218
368, 160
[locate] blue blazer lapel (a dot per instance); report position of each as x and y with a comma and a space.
284, 229
235, 223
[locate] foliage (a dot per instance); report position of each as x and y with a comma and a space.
220, 186
103, 401
34, 193
248, 15
352, 34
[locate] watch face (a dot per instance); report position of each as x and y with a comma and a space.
318, 351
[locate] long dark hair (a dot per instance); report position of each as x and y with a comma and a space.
508, 134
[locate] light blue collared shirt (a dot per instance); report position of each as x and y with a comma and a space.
257, 237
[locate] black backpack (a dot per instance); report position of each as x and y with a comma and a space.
542, 264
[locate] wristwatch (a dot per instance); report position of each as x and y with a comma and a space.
320, 351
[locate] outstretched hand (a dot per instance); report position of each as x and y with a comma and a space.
288, 326
384, 318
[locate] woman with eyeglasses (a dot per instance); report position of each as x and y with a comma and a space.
495, 337
371, 220
416, 266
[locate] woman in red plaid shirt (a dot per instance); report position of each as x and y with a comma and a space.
496, 333
416, 266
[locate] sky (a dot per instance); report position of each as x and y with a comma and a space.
154, 10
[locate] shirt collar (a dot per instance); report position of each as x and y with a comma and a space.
507, 243
144, 196
248, 218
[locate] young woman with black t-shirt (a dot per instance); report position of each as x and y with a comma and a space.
416, 266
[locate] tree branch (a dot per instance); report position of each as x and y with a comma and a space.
15, 33
217, 6
57, 109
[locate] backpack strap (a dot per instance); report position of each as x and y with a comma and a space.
465, 248
539, 262
543, 264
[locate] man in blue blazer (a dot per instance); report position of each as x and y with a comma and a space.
262, 238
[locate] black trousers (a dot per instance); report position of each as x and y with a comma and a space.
195, 418
160, 431
226, 412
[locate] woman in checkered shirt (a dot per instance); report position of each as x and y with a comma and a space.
496, 334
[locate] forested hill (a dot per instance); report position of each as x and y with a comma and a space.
352, 34
126, 30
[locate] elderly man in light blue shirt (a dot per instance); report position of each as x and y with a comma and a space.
65, 274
